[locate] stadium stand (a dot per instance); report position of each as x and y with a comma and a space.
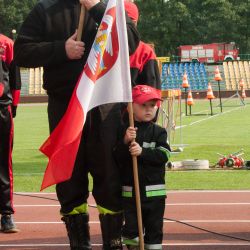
32, 81
199, 75
172, 74
234, 71
247, 71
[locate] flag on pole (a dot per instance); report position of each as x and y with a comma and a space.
104, 79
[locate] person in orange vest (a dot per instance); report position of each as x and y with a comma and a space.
10, 85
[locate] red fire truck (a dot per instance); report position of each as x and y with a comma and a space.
208, 53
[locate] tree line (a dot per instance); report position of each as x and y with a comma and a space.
167, 23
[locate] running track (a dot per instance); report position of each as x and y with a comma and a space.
224, 212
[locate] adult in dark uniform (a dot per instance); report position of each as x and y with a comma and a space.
152, 151
10, 84
48, 38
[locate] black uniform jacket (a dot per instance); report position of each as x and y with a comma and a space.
144, 68
41, 41
10, 80
151, 163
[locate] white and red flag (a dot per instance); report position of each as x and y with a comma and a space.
105, 79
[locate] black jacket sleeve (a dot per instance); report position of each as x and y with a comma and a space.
160, 154
32, 48
39, 44
15, 77
150, 74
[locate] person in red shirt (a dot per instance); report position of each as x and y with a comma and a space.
10, 84
143, 63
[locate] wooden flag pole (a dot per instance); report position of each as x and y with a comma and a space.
136, 182
80, 24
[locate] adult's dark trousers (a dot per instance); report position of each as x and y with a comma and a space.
6, 173
152, 217
95, 156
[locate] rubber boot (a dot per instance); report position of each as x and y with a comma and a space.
78, 231
111, 225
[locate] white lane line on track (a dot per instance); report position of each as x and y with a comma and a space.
35, 193
37, 205
209, 117
169, 191
209, 244
209, 221
207, 191
209, 204
231, 243
167, 204
165, 221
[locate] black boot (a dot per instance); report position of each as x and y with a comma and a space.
111, 226
78, 231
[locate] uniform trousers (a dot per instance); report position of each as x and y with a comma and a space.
152, 218
6, 172
95, 156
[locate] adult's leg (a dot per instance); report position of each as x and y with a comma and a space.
6, 176
72, 194
105, 121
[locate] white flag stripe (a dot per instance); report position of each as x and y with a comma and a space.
115, 85
124, 50
84, 92
108, 89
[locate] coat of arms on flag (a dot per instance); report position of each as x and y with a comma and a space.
105, 48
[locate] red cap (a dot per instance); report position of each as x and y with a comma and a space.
132, 10
144, 93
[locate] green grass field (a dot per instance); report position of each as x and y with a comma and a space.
203, 135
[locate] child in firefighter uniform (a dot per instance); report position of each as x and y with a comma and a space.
152, 151
10, 85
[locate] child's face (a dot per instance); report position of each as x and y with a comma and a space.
145, 112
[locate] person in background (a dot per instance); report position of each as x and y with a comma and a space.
143, 63
148, 142
10, 85
47, 39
